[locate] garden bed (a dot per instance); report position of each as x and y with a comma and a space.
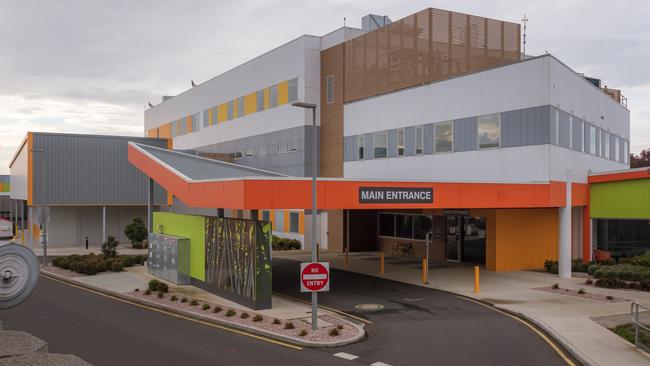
582, 293
299, 328
92, 264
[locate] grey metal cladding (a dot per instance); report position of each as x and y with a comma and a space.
309, 148
621, 150
368, 149
89, 170
525, 127
465, 134
565, 128
551, 126
577, 134
428, 138
392, 143
350, 148
612, 147
586, 137
598, 138
409, 141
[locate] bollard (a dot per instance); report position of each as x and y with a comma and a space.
425, 274
381, 263
22, 236
86, 242
477, 287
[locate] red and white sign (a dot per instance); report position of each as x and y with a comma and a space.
314, 277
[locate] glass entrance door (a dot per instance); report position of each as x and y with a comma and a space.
453, 237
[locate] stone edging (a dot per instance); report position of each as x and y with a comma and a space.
243, 327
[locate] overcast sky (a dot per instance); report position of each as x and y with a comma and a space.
92, 66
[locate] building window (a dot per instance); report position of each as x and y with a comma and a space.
582, 137
404, 226
196, 124
380, 144
293, 90
266, 216
250, 153
489, 131
557, 128
401, 138
231, 106
444, 137
330, 89
360, 147
419, 140
261, 150
598, 145
237, 155
240, 107
626, 152
386, 224
282, 148
617, 150
273, 96
294, 222
206, 118
606, 138
240, 214
292, 146
592, 140
259, 98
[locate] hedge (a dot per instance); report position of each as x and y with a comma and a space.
625, 272
279, 243
91, 264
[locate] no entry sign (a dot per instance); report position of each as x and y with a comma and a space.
314, 277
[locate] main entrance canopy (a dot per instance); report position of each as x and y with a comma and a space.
207, 183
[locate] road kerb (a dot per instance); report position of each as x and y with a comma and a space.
252, 331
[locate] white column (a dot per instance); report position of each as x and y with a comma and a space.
103, 224
564, 233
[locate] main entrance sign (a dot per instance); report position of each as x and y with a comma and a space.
395, 195
314, 277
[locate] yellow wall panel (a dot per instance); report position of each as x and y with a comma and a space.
302, 223
235, 108
267, 98
525, 238
250, 104
165, 131
283, 93
188, 124
152, 132
222, 115
210, 117
286, 221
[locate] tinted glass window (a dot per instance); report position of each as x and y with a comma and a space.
489, 132
444, 139
387, 224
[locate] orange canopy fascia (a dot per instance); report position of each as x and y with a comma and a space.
261, 192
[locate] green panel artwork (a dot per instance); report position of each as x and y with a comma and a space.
187, 226
238, 259
625, 199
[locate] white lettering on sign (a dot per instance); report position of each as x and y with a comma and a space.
395, 195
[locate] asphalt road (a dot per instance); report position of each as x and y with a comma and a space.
420, 326
104, 331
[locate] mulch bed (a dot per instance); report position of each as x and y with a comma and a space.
587, 295
320, 335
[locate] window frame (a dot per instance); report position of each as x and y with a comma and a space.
592, 140
374, 145
478, 131
295, 215
261, 150
401, 133
361, 147
435, 137
419, 140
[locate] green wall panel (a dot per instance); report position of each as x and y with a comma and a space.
625, 199
187, 226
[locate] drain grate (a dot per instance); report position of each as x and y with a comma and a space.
369, 307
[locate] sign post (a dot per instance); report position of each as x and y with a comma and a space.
314, 278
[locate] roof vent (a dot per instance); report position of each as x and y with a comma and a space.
371, 22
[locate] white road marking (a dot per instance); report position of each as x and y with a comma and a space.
346, 356
379, 363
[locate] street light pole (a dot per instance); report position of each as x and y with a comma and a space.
314, 223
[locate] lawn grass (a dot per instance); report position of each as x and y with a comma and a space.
626, 331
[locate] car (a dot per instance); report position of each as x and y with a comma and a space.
6, 229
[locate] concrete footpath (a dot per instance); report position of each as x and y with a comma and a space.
567, 318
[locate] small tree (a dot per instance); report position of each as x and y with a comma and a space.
109, 248
136, 231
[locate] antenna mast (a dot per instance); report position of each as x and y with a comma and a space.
524, 20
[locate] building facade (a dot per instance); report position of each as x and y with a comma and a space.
438, 96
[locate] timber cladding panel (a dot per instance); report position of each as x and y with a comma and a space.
331, 129
427, 46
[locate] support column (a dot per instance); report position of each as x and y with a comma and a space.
22, 222
564, 240
30, 222
103, 223
150, 206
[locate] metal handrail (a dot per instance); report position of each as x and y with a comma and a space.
634, 314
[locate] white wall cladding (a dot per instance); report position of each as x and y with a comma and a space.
515, 164
580, 164
18, 171
293, 59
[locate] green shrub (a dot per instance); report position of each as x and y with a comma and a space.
140, 258
642, 260
117, 267
127, 261
217, 309
136, 231
184, 300
58, 261
244, 316
194, 302
578, 265
109, 248
279, 243
589, 281
153, 285
206, 307
137, 290
289, 325
230, 313
276, 321
334, 332
303, 332
625, 272
258, 318
593, 268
